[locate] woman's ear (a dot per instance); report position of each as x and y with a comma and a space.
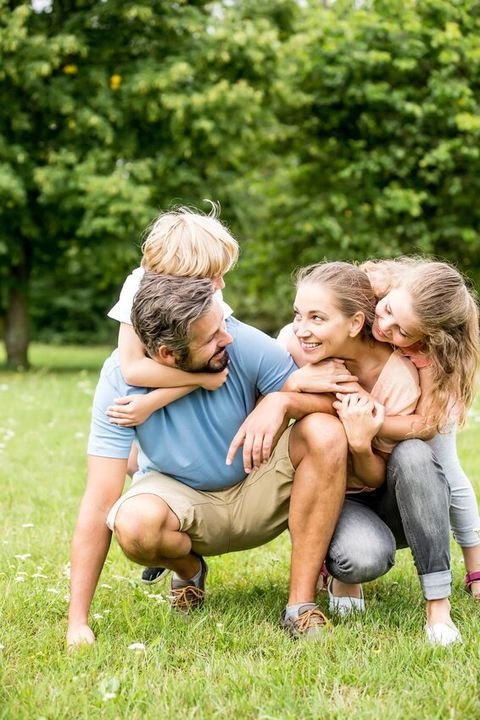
356, 324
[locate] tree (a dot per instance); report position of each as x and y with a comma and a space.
114, 110
379, 148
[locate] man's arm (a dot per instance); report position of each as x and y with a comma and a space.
305, 391
260, 429
91, 541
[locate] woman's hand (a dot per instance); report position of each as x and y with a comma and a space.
362, 417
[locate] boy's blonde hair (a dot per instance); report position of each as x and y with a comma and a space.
447, 311
186, 243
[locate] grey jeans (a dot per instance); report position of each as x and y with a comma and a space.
410, 510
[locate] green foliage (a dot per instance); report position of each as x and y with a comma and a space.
378, 148
116, 110
324, 129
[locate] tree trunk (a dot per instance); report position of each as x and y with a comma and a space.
17, 335
16, 329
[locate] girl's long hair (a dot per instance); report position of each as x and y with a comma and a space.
447, 311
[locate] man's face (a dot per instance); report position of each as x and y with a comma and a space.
209, 338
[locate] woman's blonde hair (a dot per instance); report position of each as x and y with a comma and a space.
186, 243
447, 312
350, 286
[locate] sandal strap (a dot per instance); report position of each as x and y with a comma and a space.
472, 577
324, 572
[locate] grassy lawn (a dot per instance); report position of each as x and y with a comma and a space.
229, 660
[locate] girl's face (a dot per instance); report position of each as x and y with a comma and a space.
395, 321
322, 330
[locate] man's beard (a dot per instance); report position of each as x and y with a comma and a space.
217, 363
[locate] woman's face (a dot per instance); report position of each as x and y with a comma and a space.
321, 328
395, 321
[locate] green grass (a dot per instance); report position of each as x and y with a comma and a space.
229, 660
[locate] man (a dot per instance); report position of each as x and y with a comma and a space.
188, 501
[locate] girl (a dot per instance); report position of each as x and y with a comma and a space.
427, 311
334, 313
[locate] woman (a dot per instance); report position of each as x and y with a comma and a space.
334, 313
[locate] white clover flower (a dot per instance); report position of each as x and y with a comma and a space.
109, 688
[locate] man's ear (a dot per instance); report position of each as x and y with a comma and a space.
357, 323
165, 356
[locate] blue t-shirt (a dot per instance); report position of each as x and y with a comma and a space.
189, 438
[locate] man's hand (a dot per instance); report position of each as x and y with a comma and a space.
362, 418
78, 635
328, 376
258, 431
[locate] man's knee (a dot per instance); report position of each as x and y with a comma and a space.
139, 519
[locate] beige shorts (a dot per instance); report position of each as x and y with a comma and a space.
244, 516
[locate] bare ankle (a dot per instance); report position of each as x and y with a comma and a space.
341, 589
438, 611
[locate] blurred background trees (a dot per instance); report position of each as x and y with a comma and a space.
323, 129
